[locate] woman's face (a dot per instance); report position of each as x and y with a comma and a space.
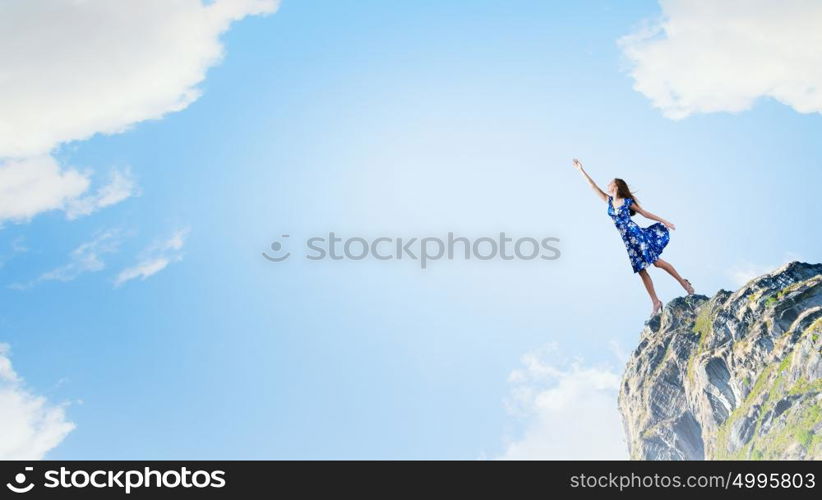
611, 188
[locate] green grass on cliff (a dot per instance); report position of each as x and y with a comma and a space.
702, 322
723, 433
799, 428
814, 329
799, 425
703, 328
796, 426
773, 299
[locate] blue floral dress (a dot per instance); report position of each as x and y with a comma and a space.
644, 244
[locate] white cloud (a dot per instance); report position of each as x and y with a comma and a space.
97, 66
86, 258
706, 56
38, 184
78, 68
142, 270
89, 257
155, 258
569, 412
121, 185
29, 425
30, 186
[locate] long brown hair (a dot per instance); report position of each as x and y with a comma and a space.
623, 191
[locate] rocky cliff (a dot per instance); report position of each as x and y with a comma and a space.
736, 376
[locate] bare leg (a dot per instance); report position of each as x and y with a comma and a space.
649, 286
670, 269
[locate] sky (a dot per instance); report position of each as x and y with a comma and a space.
151, 151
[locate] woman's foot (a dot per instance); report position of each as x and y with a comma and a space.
688, 287
657, 308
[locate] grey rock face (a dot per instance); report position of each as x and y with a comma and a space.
735, 376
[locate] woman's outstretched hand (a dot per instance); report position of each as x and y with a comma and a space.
578, 165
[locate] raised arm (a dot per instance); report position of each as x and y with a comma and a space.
599, 192
651, 216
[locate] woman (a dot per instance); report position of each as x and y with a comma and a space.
644, 245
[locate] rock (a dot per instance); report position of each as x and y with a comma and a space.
734, 376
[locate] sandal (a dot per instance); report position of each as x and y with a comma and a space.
657, 308
689, 288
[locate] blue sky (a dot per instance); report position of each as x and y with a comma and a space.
403, 119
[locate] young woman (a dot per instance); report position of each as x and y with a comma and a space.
644, 244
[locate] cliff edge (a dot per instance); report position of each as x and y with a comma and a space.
736, 376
